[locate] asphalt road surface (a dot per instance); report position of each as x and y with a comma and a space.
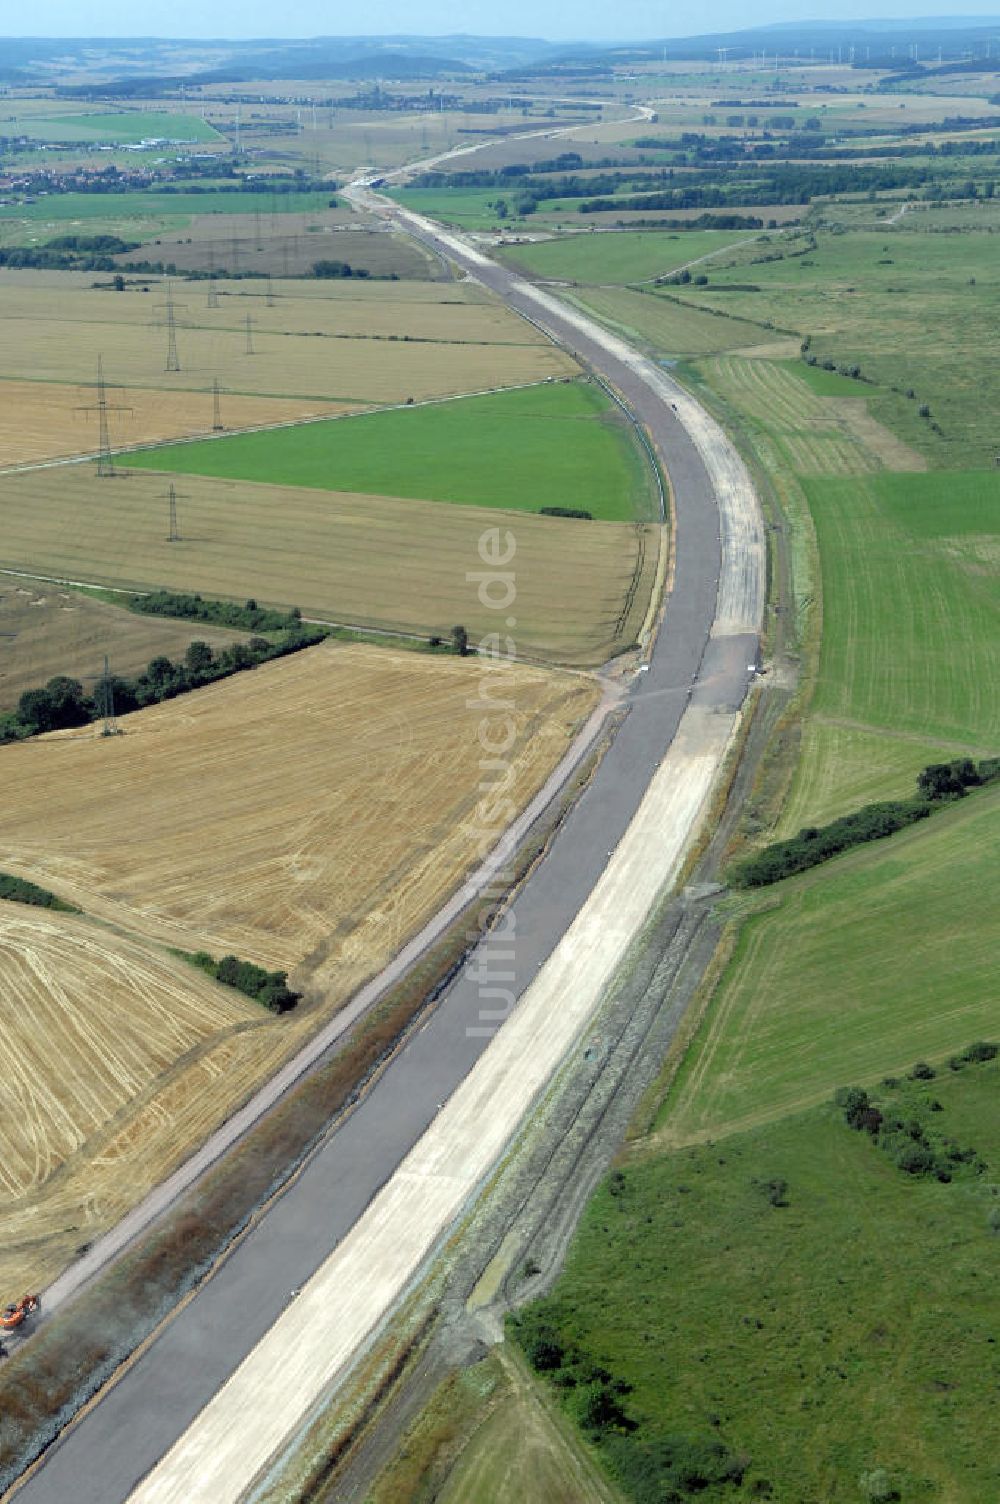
705, 643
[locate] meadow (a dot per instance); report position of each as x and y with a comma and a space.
518, 1448
909, 651
151, 203
911, 596
583, 588
308, 815
904, 557
913, 305
847, 973
468, 208
561, 444
671, 329
620, 256
844, 1330
122, 129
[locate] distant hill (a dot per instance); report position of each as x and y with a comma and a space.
121, 60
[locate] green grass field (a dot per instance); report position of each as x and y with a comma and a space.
557, 444
910, 592
626, 256
166, 208
470, 208
855, 969
914, 308
671, 328
485, 1438
849, 1330
123, 129
907, 561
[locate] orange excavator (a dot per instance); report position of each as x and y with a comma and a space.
15, 1315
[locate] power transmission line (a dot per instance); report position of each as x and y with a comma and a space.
173, 359
106, 701
105, 460
173, 536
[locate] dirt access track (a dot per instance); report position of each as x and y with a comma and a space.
210, 1406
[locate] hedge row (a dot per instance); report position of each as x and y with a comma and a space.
937, 784
249, 616
270, 988
19, 890
62, 703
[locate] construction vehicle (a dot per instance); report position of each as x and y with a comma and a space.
15, 1315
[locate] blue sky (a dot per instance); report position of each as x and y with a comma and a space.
555, 19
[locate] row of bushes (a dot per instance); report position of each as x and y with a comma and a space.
269, 988
700, 222
249, 617
912, 1147
567, 512
19, 890
62, 703
86, 253
329, 270
936, 784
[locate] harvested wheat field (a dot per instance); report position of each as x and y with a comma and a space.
582, 587
111, 1047
324, 349
308, 814
288, 245
41, 420
46, 631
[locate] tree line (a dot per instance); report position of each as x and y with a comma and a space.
248, 616
937, 784
269, 988
85, 253
62, 703
19, 890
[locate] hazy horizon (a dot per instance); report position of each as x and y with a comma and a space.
635, 20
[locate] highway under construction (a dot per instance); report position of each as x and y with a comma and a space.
203, 1413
